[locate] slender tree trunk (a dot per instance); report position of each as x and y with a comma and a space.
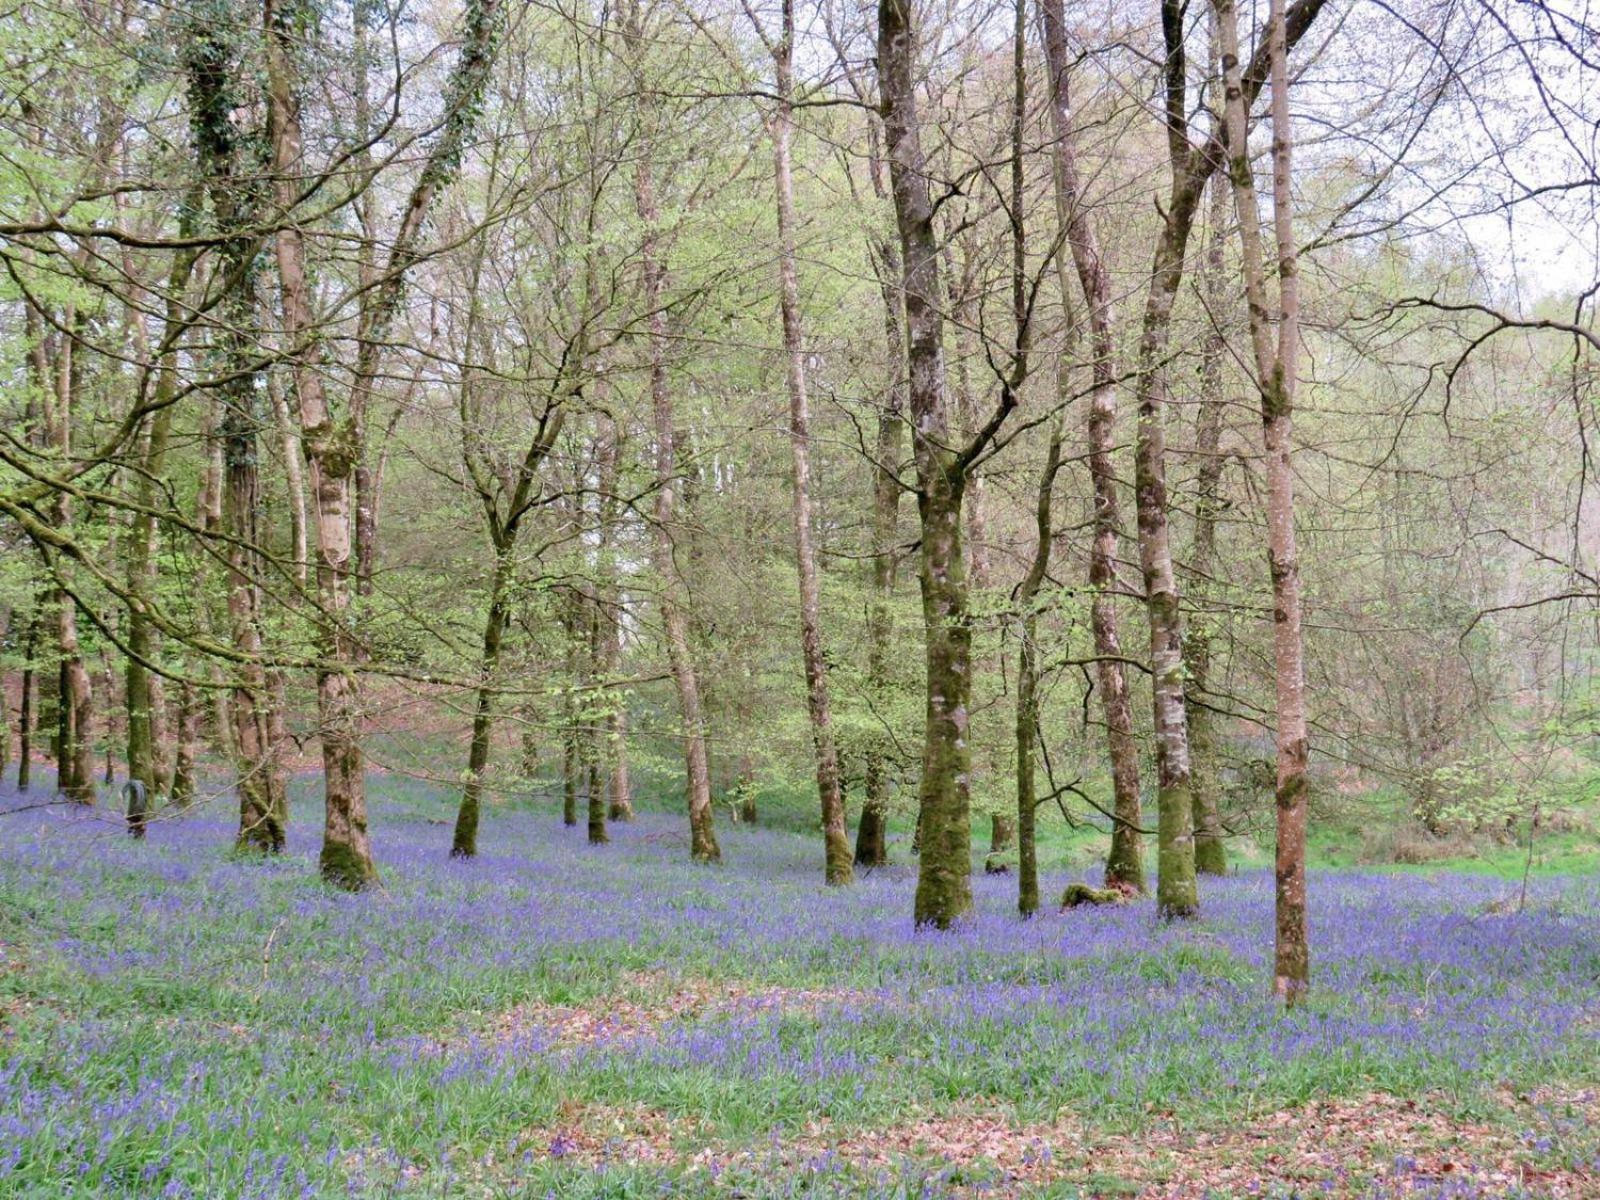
25, 708
1276, 377
872, 848
1176, 891
1125, 864
619, 790
1001, 831
5, 706
1210, 850
76, 707
944, 883
593, 787
572, 764
182, 792
465, 842
141, 686
836, 846
346, 859
294, 477
1028, 682
680, 652
75, 695
248, 709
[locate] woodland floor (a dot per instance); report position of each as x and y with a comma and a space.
560, 1020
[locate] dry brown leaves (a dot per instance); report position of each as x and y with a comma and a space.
1328, 1148
649, 1001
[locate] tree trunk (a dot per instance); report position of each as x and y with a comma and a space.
143, 694
211, 61
75, 696
1125, 863
294, 477
619, 791
944, 885
346, 859
255, 764
182, 792
465, 842
1210, 851
25, 708
1028, 682
680, 653
836, 846
1276, 378
872, 848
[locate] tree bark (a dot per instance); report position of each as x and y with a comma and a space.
944, 885
464, 843
74, 690
872, 849
142, 691
619, 791
680, 652
1210, 851
836, 846
1028, 682
1276, 378
25, 707
1125, 863
346, 859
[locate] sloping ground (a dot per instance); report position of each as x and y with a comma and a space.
555, 1019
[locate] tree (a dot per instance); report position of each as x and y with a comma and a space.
1276, 377
836, 846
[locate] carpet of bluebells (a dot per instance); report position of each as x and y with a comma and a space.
177, 1021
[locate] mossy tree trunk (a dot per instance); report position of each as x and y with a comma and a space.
464, 842
944, 870
346, 859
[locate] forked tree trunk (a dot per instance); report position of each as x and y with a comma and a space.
1191, 167
944, 884
1276, 378
836, 846
346, 859
1125, 863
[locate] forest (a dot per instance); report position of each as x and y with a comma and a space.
789, 598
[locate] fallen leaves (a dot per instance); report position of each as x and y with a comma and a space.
1371, 1146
